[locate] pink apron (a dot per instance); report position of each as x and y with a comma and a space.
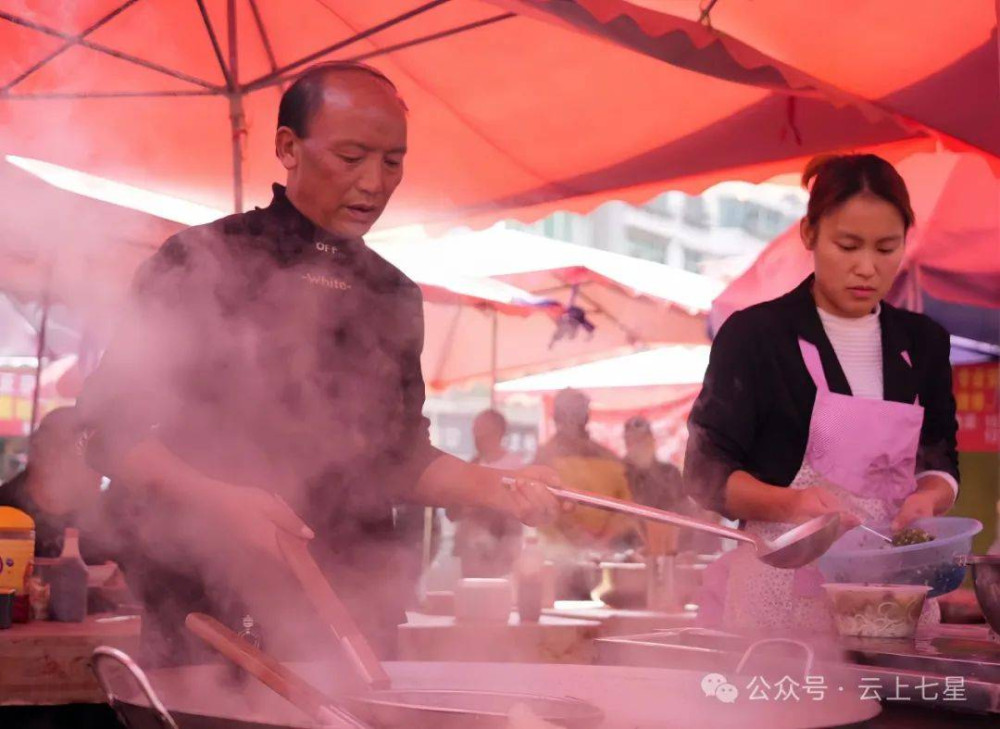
861, 450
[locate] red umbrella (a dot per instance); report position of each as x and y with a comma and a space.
510, 113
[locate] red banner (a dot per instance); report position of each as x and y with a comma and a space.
978, 407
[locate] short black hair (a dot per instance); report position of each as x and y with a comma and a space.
495, 417
302, 99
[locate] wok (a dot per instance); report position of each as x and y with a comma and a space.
630, 697
402, 708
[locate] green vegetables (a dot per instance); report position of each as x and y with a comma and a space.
911, 535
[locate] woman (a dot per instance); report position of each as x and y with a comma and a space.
827, 399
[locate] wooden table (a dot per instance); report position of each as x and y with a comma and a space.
551, 640
614, 621
47, 663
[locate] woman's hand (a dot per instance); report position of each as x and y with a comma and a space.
804, 504
933, 496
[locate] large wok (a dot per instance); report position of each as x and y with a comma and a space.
630, 697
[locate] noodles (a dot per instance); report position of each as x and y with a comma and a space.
876, 612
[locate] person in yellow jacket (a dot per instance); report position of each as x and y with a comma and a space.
585, 465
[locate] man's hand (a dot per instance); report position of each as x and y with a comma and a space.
250, 517
934, 496
816, 501
524, 493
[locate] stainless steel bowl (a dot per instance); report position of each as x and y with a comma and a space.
986, 580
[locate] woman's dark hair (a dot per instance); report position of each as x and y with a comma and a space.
837, 178
302, 99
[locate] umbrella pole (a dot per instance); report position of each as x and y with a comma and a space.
42, 332
237, 119
493, 363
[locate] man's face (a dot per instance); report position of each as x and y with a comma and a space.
487, 434
351, 160
639, 443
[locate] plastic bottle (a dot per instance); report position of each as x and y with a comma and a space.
530, 574
68, 602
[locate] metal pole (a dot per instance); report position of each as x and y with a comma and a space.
40, 353
493, 363
237, 120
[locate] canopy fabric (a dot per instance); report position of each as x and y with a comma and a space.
512, 114
920, 62
511, 255
672, 366
951, 268
633, 304
79, 251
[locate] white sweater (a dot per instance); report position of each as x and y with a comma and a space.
858, 344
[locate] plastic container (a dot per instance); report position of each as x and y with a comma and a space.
17, 549
17, 556
876, 611
859, 557
484, 600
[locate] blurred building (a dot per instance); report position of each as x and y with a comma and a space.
718, 233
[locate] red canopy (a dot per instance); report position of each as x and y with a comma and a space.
514, 111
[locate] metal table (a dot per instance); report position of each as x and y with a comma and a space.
953, 668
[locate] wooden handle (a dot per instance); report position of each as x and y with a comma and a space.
265, 668
332, 610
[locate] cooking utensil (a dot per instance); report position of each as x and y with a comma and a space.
271, 673
418, 708
631, 697
878, 534
101, 663
194, 701
795, 548
986, 581
332, 610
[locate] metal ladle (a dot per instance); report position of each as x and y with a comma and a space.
795, 548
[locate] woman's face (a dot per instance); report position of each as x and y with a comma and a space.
857, 250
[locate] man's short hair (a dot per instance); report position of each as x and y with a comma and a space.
495, 417
571, 407
303, 98
638, 424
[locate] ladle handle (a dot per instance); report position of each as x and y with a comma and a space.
269, 671
610, 503
332, 611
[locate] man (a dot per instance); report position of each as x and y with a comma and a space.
488, 542
488, 431
652, 482
661, 485
57, 487
586, 465
270, 367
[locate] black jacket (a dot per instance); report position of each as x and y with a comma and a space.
264, 352
754, 410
